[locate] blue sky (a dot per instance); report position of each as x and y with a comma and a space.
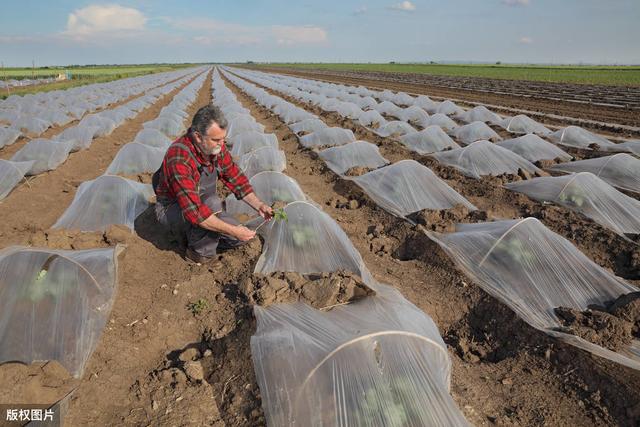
65, 32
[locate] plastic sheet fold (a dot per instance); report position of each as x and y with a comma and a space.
533, 270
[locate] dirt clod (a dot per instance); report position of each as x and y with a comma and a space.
613, 327
319, 291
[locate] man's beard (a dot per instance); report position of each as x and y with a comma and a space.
211, 151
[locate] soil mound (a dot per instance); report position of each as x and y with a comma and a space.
320, 291
357, 171
445, 220
614, 326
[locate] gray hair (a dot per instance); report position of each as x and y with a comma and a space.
205, 117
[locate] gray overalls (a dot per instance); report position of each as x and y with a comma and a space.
202, 241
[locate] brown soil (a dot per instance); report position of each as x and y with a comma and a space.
543, 101
505, 372
614, 326
176, 349
357, 171
319, 291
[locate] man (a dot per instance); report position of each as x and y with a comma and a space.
185, 186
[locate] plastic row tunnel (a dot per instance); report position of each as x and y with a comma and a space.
376, 361
419, 108
534, 271
589, 195
32, 115
54, 304
145, 153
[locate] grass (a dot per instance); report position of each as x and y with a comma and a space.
602, 75
79, 76
198, 307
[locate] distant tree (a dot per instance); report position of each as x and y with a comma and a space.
392, 62
498, 62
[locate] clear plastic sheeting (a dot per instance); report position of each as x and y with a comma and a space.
307, 126
310, 241
480, 114
448, 108
270, 187
485, 158
395, 128
429, 140
54, 304
371, 119
261, 160
533, 270
172, 126
153, 138
31, 125
534, 148
426, 103
8, 136
376, 362
574, 136
104, 124
105, 201
443, 122
11, 173
135, 158
355, 154
407, 187
620, 170
243, 124
524, 124
252, 140
327, 137
628, 147
47, 154
589, 195
476, 131
80, 137
415, 116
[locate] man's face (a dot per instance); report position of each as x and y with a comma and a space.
212, 142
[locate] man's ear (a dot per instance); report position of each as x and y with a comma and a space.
196, 136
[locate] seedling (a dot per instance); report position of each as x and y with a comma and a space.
280, 215
198, 307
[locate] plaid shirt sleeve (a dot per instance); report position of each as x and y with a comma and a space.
181, 174
232, 176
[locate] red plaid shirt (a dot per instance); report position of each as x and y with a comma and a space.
180, 177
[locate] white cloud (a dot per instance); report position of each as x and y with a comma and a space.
104, 19
360, 11
516, 2
405, 6
525, 40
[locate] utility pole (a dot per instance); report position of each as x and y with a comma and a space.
33, 69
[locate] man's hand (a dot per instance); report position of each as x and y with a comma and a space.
243, 234
265, 211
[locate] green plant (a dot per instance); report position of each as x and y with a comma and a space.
198, 307
280, 215
573, 196
303, 235
516, 250
47, 281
